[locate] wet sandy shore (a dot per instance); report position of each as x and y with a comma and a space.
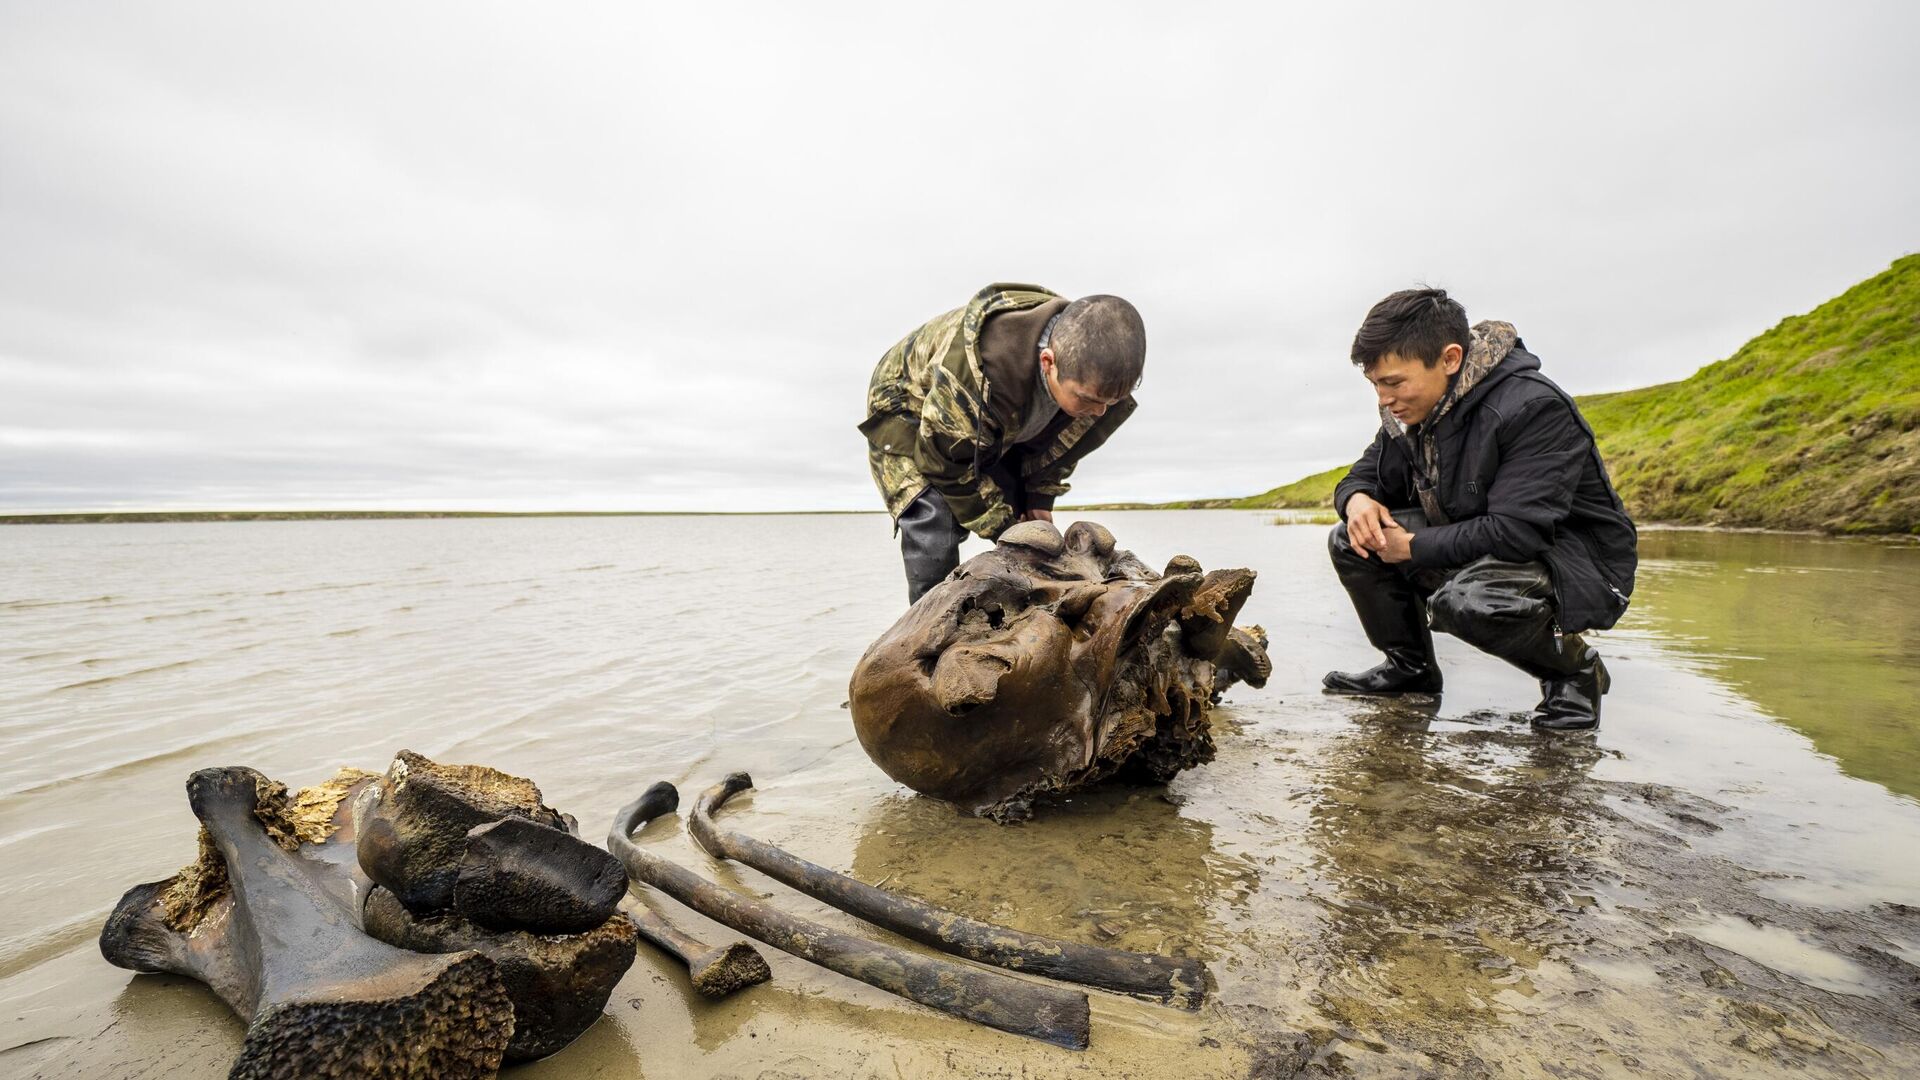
1379, 890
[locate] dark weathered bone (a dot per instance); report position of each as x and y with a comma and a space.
265, 929
1049, 663
1172, 979
413, 825
984, 997
715, 971
558, 983
520, 875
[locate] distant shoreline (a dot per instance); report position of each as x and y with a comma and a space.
164, 517
142, 517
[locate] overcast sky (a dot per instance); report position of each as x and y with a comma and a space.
645, 256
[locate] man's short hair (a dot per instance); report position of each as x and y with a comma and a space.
1100, 343
1417, 323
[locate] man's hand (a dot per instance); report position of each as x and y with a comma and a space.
1037, 515
1367, 525
1398, 547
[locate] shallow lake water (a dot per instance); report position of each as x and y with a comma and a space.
1720, 882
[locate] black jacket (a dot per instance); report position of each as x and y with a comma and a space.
1521, 480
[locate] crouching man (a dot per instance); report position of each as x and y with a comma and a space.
976, 419
1481, 510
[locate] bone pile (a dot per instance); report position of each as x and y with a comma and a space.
432, 922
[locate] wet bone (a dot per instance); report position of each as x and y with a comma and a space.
984, 997
1049, 663
267, 931
413, 824
558, 983
1173, 979
716, 971
516, 874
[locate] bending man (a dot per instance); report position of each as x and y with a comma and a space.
975, 420
1482, 509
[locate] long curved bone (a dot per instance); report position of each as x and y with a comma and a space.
984, 997
1176, 980
265, 929
716, 971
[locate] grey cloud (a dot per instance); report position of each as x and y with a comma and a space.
451, 255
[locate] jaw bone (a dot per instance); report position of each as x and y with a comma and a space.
269, 932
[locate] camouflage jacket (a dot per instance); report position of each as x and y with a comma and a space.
928, 425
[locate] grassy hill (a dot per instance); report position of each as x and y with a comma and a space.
1814, 424
1313, 493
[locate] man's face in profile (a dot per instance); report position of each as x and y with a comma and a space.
1074, 397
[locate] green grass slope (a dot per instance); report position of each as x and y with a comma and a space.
1312, 493
1814, 424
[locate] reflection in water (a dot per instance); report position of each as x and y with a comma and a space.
1117, 866
1451, 860
1820, 634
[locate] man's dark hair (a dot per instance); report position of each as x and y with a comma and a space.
1100, 343
1418, 323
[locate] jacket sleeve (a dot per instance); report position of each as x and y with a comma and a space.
1049, 481
1542, 451
1364, 476
944, 451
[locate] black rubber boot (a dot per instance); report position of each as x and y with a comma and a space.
1507, 609
929, 542
1573, 704
1391, 613
1572, 677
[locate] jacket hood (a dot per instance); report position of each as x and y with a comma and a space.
1516, 361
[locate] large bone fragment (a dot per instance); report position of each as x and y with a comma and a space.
984, 997
1173, 979
1049, 663
413, 825
517, 874
267, 931
558, 983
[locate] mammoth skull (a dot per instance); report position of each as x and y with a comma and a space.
1049, 663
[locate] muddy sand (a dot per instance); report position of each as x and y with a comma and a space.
1719, 883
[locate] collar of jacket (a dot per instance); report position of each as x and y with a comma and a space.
995, 298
